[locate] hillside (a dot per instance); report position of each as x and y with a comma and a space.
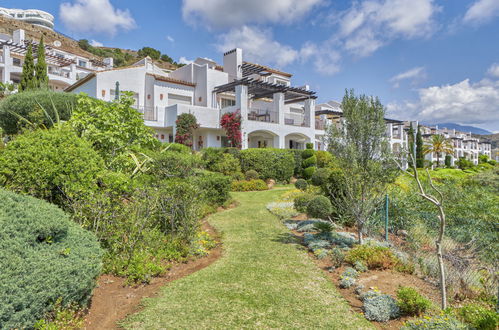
493, 138
463, 128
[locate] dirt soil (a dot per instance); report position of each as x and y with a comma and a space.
112, 301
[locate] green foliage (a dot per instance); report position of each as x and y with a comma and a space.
307, 153
380, 307
251, 175
360, 267
69, 317
309, 145
251, 185
337, 257
41, 76
448, 160
186, 123
323, 227
226, 164
148, 51
301, 202
296, 153
308, 172
301, 184
319, 207
177, 147
54, 165
119, 58
320, 176
270, 163
169, 164
43, 257
215, 187
411, 302
113, 128
419, 149
309, 163
28, 75
324, 158
374, 257
439, 322
478, 317
31, 105
464, 164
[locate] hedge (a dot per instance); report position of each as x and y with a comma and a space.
27, 105
270, 163
214, 186
250, 185
43, 256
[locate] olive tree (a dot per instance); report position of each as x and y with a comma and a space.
363, 157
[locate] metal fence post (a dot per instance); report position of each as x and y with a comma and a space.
386, 218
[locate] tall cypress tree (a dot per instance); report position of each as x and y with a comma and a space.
419, 149
41, 77
410, 138
27, 76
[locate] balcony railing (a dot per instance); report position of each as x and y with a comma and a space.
296, 120
320, 124
64, 74
149, 112
264, 115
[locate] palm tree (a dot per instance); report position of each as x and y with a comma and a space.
439, 144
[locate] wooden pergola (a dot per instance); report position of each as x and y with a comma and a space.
21, 49
259, 89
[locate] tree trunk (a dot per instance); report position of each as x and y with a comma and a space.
438, 159
438, 243
359, 233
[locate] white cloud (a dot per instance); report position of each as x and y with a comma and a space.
371, 24
414, 75
462, 103
96, 43
170, 39
482, 11
95, 16
183, 60
258, 46
494, 70
234, 13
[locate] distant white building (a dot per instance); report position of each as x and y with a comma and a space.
32, 16
63, 68
274, 113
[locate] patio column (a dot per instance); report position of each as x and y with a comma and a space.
279, 106
7, 61
242, 101
281, 141
310, 112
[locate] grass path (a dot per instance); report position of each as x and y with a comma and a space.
259, 282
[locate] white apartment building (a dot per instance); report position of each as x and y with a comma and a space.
63, 68
31, 16
274, 114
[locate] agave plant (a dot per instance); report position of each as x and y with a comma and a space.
439, 145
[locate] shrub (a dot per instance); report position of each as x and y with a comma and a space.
177, 147
374, 257
323, 227
301, 184
43, 257
301, 202
411, 302
320, 176
308, 172
464, 164
298, 169
337, 257
359, 266
478, 316
215, 187
226, 164
346, 282
170, 164
270, 163
309, 162
282, 210
251, 185
30, 105
436, 322
448, 160
53, 164
324, 158
380, 307
350, 272
251, 175
319, 207
186, 123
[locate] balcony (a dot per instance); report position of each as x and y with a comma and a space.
60, 73
149, 113
263, 115
296, 120
320, 124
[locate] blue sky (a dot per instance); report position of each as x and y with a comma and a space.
432, 60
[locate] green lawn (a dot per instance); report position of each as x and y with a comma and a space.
260, 281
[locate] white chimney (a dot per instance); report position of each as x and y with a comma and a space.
233, 61
18, 36
109, 62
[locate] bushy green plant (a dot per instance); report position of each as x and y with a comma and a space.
324, 158
319, 207
177, 147
443, 322
301, 202
251, 175
185, 124
411, 302
359, 266
215, 187
270, 163
308, 172
478, 316
282, 210
43, 257
251, 185
323, 227
170, 164
301, 184
346, 282
53, 164
298, 169
350, 272
309, 162
337, 256
380, 307
374, 257
464, 164
30, 105
320, 176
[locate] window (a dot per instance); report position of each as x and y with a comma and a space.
228, 103
281, 82
179, 99
297, 110
82, 63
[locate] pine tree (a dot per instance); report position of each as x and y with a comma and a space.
27, 76
41, 77
419, 150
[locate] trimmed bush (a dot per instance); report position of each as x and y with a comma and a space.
324, 158
374, 257
319, 207
226, 164
251, 175
301, 184
411, 302
308, 172
320, 176
53, 164
298, 170
169, 164
380, 307
29, 104
251, 185
43, 256
301, 202
215, 187
478, 317
270, 163
309, 162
